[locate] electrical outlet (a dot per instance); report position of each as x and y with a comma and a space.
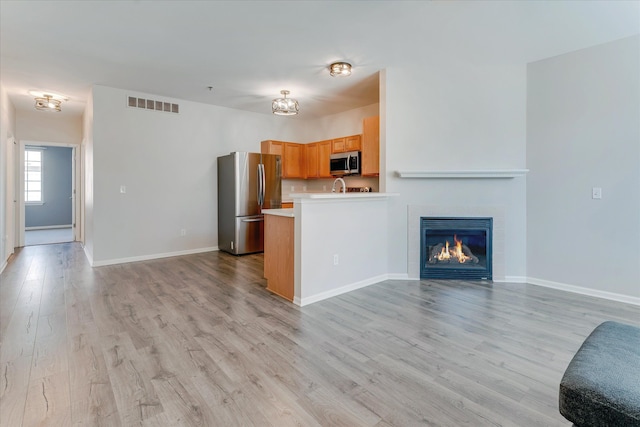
293, 188
304, 188
183, 232
335, 259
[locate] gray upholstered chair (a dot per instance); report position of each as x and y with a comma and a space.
601, 385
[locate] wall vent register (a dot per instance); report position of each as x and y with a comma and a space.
151, 104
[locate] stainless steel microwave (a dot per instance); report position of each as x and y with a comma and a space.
345, 163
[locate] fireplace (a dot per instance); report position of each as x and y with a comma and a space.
456, 248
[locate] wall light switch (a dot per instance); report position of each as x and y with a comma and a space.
596, 193
123, 189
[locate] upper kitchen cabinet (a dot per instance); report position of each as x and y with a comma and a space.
318, 155
353, 143
292, 154
294, 165
272, 147
311, 154
371, 146
324, 159
347, 143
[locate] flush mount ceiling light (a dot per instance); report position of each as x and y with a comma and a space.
47, 101
285, 106
340, 69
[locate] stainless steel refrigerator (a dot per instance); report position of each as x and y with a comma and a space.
247, 183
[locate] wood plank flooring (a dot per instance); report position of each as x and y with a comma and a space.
198, 341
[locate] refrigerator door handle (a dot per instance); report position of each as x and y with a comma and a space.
259, 184
253, 220
263, 185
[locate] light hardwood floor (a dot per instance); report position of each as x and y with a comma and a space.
198, 341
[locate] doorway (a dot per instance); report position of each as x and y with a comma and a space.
47, 193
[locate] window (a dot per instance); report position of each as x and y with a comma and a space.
33, 176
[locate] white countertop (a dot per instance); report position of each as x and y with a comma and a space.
280, 212
371, 195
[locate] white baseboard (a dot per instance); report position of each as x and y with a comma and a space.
553, 285
47, 227
401, 276
338, 291
4, 265
584, 291
512, 279
88, 255
149, 257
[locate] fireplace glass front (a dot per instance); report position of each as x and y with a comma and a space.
456, 248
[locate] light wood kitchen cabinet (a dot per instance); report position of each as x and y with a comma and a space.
278, 255
324, 158
272, 147
353, 143
347, 143
311, 152
338, 145
318, 156
292, 157
294, 166
370, 146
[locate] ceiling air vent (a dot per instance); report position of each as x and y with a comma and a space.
151, 104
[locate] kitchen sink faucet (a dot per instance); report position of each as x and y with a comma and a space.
344, 186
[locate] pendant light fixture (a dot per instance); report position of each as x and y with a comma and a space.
285, 106
342, 69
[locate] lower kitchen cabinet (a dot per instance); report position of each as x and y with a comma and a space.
278, 254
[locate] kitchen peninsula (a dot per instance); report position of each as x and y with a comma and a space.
328, 244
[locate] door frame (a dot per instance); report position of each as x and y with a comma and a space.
75, 185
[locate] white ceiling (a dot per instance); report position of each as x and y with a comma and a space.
249, 50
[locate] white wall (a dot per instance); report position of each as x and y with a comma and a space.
452, 116
48, 127
86, 218
7, 180
351, 228
335, 125
167, 163
583, 131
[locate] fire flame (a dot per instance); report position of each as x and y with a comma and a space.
455, 252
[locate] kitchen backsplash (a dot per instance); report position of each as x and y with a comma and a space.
290, 186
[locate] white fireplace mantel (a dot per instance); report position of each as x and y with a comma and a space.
457, 174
